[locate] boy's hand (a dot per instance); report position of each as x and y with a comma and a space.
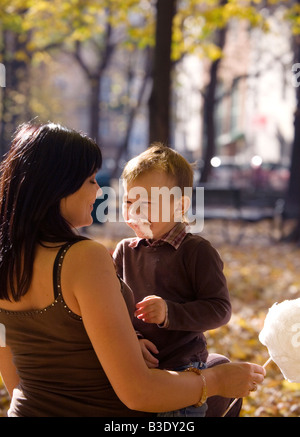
152, 309
148, 348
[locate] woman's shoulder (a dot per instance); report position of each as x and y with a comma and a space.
88, 245
86, 252
87, 262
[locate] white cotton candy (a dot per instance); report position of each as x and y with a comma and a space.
139, 221
281, 335
143, 226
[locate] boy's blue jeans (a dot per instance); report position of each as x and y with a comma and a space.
188, 411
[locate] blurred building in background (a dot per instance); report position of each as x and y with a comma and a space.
254, 105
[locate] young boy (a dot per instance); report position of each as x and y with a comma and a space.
176, 277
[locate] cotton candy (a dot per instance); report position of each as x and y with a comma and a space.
143, 226
139, 221
281, 335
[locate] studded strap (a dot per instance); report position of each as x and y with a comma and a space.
57, 267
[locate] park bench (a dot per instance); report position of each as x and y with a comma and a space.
242, 206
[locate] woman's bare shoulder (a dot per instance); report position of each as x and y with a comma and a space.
88, 254
88, 248
88, 262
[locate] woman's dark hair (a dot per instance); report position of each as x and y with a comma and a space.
45, 164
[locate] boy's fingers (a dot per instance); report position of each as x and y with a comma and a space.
144, 309
147, 300
148, 348
141, 312
151, 346
149, 357
144, 303
151, 364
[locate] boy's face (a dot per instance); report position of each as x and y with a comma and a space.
149, 204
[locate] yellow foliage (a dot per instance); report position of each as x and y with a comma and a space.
212, 51
20, 55
40, 56
291, 386
238, 352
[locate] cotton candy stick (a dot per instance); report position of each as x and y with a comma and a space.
267, 362
235, 400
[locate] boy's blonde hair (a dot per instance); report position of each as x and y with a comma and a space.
160, 158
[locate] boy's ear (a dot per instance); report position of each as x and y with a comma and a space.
183, 205
186, 203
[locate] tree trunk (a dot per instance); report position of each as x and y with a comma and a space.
209, 108
16, 76
94, 76
292, 201
160, 98
95, 83
133, 111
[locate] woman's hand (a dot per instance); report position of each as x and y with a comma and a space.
234, 380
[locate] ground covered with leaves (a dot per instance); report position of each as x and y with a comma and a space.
259, 272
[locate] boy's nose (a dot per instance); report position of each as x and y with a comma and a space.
99, 192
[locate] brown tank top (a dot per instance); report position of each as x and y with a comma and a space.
60, 374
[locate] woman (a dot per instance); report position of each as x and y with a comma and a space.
71, 349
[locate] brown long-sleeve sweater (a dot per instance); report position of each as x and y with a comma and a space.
190, 278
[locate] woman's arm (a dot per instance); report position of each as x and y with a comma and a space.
107, 322
7, 369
